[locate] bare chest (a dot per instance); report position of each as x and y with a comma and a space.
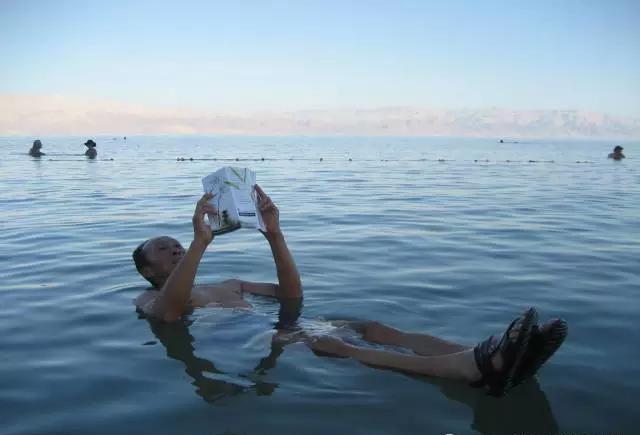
220, 294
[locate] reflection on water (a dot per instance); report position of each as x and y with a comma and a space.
180, 345
526, 406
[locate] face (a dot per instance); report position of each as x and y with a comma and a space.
163, 255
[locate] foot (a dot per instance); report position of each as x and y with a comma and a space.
327, 345
498, 360
544, 343
499, 357
284, 338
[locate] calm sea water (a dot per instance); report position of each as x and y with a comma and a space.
455, 248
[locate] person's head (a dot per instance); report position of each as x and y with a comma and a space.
37, 144
156, 258
90, 144
618, 149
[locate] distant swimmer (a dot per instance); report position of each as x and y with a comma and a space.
617, 153
91, 151
35, 149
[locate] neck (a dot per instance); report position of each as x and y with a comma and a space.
159, 283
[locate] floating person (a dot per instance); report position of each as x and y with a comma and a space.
617, 153
35, 149
171, 270
497, 363
91, 151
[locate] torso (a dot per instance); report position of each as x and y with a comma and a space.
227, 294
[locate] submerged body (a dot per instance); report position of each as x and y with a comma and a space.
227, 294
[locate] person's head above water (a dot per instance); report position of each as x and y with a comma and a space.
156, 258
90, 144
617, 153
34, 151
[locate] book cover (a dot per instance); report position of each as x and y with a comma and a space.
234, 198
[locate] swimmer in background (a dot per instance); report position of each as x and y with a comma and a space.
498, 363
617, 153
91, 152
35, 149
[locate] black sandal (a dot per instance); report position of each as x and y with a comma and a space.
544, 342
499, 382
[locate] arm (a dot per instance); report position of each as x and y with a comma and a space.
176, 291
289, 284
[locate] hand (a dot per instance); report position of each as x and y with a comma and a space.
328, 345
201, 230
269, 211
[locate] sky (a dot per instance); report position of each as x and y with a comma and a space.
299, 55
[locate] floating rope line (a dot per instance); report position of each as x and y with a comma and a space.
321, 159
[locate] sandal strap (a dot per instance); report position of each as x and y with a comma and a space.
483, 353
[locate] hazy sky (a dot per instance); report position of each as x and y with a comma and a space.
287, 55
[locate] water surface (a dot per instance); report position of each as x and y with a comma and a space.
455, 248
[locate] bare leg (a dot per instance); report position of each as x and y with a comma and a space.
460, 365
422, 344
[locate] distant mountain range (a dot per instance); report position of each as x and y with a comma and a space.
51, 115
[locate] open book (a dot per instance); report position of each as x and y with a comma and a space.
235, 200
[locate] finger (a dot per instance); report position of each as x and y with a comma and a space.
259, 190
206, 197
260, 193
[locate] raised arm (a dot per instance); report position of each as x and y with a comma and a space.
176, 291
289, 285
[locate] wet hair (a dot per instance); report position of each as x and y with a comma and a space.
141, 261
618, 148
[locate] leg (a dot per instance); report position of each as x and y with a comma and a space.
492, 363
460, 365
422, 344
